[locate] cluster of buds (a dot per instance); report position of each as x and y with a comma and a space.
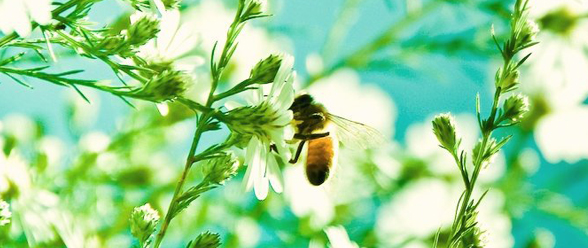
444, 129
167, 85
205, 240
220, 168
5, 213
143, 28
528, 35
515, 107
252, 9
252, 120
144, 219
507, 80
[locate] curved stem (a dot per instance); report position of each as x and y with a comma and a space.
181, 181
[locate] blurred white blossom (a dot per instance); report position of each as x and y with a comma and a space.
338, 237
17, 15
94, 142
557, 76
175, 45
563, 135
417, 211
210, 20
307, 200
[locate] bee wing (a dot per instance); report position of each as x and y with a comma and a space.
356, 135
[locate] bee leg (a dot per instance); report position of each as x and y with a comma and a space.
298, 151
310, 136
274, 148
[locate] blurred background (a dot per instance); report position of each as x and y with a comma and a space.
392, 64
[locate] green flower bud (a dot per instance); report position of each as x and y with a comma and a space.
5, 213
205, 240
112, 44
139, 4
265, 70
144, 219
220, 168
252, 10
165, 86
144, 28
489, 154
515, 107
171, 4
444, 129
529, 32
253, 120
508, 82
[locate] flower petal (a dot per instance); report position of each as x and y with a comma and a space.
252, 166
274, 174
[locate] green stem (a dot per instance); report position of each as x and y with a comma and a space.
486, 135
182, 180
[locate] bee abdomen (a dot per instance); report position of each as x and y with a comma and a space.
319, 160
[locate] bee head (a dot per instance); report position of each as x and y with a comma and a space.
301, 102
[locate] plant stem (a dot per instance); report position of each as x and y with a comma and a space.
182, 180
486, 135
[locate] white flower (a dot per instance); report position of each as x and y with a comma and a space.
562, 135
211, 19
17, 15
262, 163
307, 200
175, 44
555, 76
495, 224
416, 212
338, 237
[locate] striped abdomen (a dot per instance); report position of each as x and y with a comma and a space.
319, 159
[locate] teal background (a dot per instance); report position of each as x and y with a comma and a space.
441, 82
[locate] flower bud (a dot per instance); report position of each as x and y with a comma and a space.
220, 168
255, 120
5, 213
265, 70
144, 219
139, 4
254, 9
171, 4
515, 107
144, 28
205, 240
165, 86
488, 154
529, 32
111, 44
508, 82
444, 129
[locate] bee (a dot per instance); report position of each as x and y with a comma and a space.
315, 125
